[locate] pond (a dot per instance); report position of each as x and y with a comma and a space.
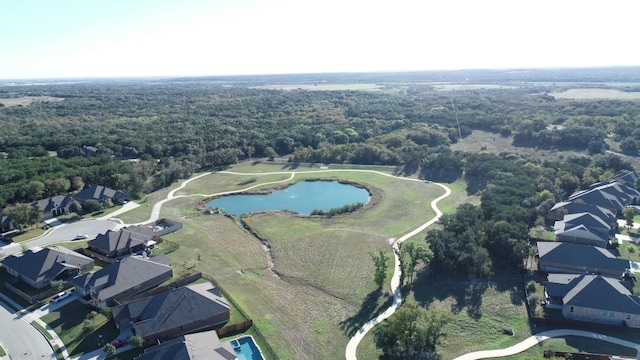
302, 197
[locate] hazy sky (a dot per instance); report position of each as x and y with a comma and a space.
106, 38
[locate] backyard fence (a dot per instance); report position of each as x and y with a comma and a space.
234, 328
34, 298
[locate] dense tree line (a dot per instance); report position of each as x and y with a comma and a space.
149, 135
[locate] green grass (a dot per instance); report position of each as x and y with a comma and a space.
67, 323
42, 330
321, 288
481, 310
573, 344
2, 351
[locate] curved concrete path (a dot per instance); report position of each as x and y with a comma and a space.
352, 346
537, 338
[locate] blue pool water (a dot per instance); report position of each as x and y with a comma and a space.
246, 348
302, 197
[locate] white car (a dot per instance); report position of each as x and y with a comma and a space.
80, 237
61, 296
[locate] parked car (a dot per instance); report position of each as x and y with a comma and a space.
118, 343
5, 239
80, 237
61, 296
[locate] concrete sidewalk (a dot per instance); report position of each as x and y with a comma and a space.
537, 338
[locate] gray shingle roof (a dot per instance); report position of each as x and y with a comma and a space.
558, 285
602, 293
573, 208
55, 202
100, 193
599, 198
118, 240
173, 308
579, 232
203, 345
123, 275
581, 255
629, 178
45, 263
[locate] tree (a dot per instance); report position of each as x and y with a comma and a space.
88, 325
57, 186
416, 253
33, 191
136, 340
629, 213
270, 153
91, 205
411, 333
380, 259
109, 349
77, 183
24, 215
106, 312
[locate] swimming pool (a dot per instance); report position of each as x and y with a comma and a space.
246, 348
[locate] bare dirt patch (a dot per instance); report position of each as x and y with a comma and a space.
27, 100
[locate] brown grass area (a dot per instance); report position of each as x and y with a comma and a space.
590, 94
325, 290
27, 100
482, 141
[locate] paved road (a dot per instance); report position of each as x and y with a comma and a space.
20, 339
66, 232
535, 339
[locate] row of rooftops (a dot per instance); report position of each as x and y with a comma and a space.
579, 273
589, 217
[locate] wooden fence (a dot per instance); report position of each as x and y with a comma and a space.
234, 328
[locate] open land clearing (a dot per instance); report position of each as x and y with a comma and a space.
590, 94
322, 87
313, 300
27, 100
321, 289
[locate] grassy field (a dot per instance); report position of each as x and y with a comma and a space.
319, 288
27, 100
482, 141
314, 287
589, 94
322, 87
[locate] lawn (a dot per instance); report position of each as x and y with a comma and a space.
67, 323
316, 288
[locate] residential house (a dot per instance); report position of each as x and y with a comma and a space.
593, 298
599, 198
118, 243
102, 195
562, 257
589, 220
89, 151
6, 223
202, 345
174, 312
54, 206
628, 194
580, 234
123, 279
559, 210
38, 267
628, 178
